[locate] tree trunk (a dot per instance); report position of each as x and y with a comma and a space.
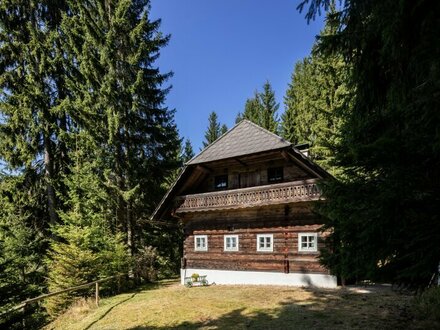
48, 174
129, 229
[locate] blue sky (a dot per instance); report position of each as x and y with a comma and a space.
222, 51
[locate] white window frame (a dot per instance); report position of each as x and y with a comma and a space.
202, 248
228, 249
265, 249
307, 249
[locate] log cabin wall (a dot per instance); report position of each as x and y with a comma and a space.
283, 221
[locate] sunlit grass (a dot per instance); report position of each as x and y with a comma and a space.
242, 307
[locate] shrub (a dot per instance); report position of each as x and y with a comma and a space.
427, 305
147, 263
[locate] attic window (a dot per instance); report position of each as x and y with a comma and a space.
221, 182
275, 174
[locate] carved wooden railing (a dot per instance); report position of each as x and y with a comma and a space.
297, 191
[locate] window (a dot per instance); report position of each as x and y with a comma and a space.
265, 242
231, 242
201, 243
275, 174
221, 182
308, 242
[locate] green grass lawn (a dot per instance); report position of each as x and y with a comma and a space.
169, 305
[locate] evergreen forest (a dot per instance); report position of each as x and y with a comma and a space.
88, 146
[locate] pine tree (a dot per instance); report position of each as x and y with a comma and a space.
120, 93
33, 143
252, 110
269, 108
213, 131
188, 151
223, 129
88, 248
384, 212
298, 116
315, 102
261, 109
73, 70
22, 242
33, 91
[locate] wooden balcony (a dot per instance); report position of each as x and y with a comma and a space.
288, 192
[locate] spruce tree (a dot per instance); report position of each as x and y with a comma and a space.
120, 92
316, 100
22, 243
223, 129
252, 110
299, 116
73, 70
261, 109
269, 108
213, 131
88, 248
188, 151
33, 91
383, 214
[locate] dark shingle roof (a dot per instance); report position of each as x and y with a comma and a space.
243, 139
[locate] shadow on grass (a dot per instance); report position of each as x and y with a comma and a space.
109, 310
326, 309
134, 292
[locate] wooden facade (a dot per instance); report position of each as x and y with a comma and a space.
251, 212
284, 222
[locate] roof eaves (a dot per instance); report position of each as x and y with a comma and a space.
165, 197
312, 165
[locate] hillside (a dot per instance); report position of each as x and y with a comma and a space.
170, 305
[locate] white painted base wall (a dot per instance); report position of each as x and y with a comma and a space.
262, 278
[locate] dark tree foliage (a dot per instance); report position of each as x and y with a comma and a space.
223, 129
33, 121
33, 144
384, 215
269, 108
252, 110
120, 94
187, 152
261, 109
214, 130
72, 72
22, 242
316, 100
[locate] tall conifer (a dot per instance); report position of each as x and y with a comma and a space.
120, 94
188, 151
384, 213
32, 93
213, 131
269, 108
316, 100
261, 109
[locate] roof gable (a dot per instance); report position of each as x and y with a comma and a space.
243, 139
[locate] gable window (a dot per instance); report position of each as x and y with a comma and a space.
231, 242
265, 242
275, 174
201, 243
221, 182
308, 242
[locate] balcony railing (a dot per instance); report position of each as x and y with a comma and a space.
297, 191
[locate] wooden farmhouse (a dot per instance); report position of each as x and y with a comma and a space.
246, 204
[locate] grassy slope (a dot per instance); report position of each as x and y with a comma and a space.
239, 307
